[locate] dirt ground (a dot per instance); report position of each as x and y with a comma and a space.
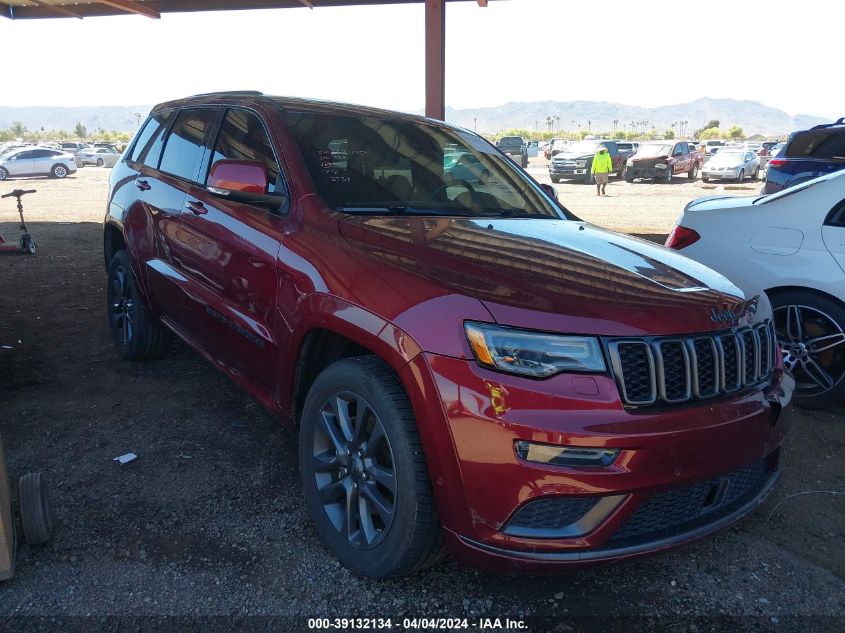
210, 520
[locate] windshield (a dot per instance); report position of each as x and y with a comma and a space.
654, 150
391, 166
726, 156
584, 147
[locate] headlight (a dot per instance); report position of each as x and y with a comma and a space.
630, 162
534, 354
580, 163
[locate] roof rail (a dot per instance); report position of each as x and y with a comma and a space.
253, 93
839, 121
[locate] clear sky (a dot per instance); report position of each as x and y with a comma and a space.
784, 53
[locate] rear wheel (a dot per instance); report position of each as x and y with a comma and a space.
100, 162
34, 506
134, 333
692, 174
811, 333
364, 474
59, 171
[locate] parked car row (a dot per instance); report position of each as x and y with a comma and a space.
29, 160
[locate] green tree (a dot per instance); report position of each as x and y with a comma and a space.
17, 129
80, 130
669, 134
710, 133
736, 133
712, 123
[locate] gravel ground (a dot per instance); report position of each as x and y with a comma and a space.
210, 521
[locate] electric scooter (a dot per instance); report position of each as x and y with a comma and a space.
25, 244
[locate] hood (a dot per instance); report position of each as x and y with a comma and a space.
557, 275
574, 155
650, 159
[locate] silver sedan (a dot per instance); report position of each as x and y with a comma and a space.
99, 156
731, 164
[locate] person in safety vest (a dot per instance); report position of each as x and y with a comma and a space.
602, 166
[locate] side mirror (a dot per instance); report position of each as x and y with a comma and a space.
549, 190
242, 181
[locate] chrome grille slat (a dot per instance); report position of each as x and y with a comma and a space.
672, 370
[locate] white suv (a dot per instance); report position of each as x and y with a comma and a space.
37, 161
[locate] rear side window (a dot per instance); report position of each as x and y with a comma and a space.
836, 217
821, 144
147, 147
184, 147
243, 137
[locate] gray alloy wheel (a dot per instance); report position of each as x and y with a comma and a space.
59, 171
100, 162
364, 474
354, 469
3, 174
741, 176
811, 334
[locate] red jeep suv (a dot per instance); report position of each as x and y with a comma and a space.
468, 366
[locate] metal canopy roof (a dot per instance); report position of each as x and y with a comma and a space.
28, 9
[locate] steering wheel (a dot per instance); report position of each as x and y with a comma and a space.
454, 183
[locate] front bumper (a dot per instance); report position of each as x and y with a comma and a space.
567, 172
646, 172
720, 175
482, 486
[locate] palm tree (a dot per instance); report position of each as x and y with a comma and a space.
550, 122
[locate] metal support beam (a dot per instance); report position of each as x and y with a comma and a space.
130, 6
435, 59
56, 9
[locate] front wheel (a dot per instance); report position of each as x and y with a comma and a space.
364, 474
100, 162
811, 333
741, 176
668, 177
555, 179
3, 174
134, 333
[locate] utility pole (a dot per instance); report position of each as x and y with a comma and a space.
475, 123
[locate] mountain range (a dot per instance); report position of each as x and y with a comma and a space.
752, 116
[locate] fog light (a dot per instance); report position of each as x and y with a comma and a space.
565, 455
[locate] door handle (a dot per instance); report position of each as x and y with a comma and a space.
196, 207
143, 185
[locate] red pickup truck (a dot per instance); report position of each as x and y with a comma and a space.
663, 160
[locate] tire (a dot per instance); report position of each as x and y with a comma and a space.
589, 179
628, 176
3, 174
135, 335
741, 176
692, 174
669, 174
28, 245
555, 179
59, 171
756, 174
703, 179
337, 470
34, 506
100, 162
818, 316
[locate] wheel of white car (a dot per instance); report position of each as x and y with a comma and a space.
3, 174
59, 171
811, 333
100, 162
741, 176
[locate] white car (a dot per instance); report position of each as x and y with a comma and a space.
792, 244
36, 161
99, 156
731, 164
